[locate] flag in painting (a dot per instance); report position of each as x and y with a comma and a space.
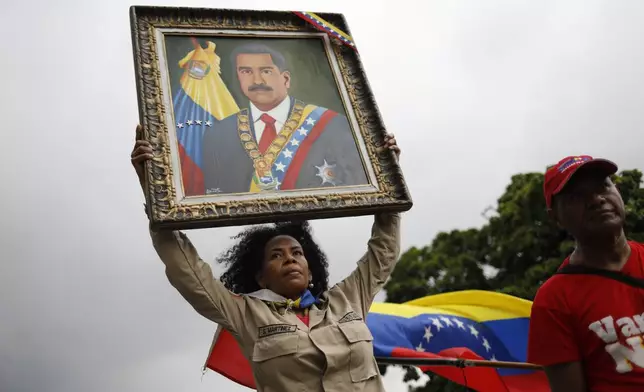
466, 324
202, 100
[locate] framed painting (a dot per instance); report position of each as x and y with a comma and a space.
257, 116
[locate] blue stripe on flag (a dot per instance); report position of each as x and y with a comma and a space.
191, 121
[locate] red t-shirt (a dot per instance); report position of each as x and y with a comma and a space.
595, 320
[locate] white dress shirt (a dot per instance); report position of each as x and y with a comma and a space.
279, 113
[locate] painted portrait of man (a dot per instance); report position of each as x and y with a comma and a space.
269, 139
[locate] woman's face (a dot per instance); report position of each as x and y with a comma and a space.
285, 269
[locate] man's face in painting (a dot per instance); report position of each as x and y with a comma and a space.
261, 80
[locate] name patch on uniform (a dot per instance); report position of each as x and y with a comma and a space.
351, 316
275, 329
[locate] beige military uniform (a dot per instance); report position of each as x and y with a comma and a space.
334, 353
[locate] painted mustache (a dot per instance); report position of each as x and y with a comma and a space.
260, 87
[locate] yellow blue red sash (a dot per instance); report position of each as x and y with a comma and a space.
285, 157
272, 166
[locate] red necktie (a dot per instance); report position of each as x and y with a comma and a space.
269, 133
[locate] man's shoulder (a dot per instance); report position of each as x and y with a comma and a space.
638, 246
232, 119
309, 108
556, 288
550, 292
328, 118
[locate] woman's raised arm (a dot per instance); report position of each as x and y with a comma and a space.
383, 249
185, 270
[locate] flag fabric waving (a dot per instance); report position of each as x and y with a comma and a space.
202, 99
227, 359
469, 324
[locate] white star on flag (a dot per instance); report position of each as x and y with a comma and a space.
459, 323
199, 122
437, 324
447, 321
288, 153
473, 331
208, 123
310, 121
302, 131
420, 347
280, 166
189, 122
486, 344
428, 333
295, 142
179, 125
493, 359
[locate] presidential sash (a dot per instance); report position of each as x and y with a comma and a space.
272, 166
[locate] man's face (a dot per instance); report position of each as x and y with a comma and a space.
590, 205
261, 80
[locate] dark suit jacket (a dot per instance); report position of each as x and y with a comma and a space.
227, 168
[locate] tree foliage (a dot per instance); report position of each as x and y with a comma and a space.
514, 252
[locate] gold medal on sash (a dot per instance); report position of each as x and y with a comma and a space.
261, 167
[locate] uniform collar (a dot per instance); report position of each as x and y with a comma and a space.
266, 295
272, 297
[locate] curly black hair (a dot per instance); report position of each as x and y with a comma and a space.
245, 258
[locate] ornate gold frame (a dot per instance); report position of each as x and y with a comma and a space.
390, 193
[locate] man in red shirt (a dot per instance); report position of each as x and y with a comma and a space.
587, 329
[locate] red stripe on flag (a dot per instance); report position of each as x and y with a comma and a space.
191, 175
481, 379
227, 359
293, 172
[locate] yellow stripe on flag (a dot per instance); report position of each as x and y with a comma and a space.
477, 305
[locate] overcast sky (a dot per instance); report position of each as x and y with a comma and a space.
475, 91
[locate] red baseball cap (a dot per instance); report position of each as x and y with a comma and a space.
557, 176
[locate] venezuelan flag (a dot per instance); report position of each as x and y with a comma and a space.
469, 324
202, 100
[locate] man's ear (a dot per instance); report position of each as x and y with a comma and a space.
287, 79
